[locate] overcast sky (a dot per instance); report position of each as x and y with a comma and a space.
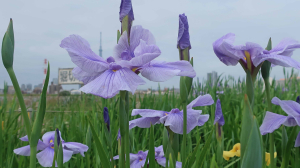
39, 27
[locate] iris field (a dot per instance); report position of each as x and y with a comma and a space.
74, 125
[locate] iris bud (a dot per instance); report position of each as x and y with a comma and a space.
8, 45
126, 15
266, 66
106, 118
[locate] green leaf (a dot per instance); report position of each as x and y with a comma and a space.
104, 160
213, 163
165, 139
284, 140
192, 156
151, 149
60, 156
288, 149
247, 125
253, 153
38, 122
201, 157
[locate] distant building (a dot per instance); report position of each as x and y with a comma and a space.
29, 87
23, 87
212, 77
10, 90
37, 90
54, 89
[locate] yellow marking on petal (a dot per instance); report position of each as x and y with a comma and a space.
267, 158
51, 142
114, 70
134, 69
140, 159
166, 114
248, 59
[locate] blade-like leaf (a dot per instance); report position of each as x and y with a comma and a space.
101, 152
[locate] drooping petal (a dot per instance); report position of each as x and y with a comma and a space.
218, 114
45, 157
144, 122
139, 33
109, 83
121, 47
297, 142
148, 113
138, 163
175, 121
223, 49
82, 55
132, 156
159, 151
76, 147
24, 138
292, 108
162, 161
203, 119
204, 100
24, 151
271, 122
280, 60
285, 47
183, 40
84, 76
160, 71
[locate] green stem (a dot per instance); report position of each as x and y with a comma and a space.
271, 135
33, 156
122, 118
21, 101
127, 147
183, 152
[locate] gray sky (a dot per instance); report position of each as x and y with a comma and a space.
40, 26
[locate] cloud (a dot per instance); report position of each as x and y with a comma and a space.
40, 26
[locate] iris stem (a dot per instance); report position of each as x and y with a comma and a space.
21, 101
33, 155
122, 118
183, 152
271, 135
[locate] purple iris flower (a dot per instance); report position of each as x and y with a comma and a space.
298, 99
230, 54
45, 157
219, 118
106, 118
183, 40
174, 118
138, 160
273, 121
105, 78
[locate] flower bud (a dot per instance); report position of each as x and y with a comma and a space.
8, 45
106, 118
183, 40
58, 136
266, 66
126, 10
